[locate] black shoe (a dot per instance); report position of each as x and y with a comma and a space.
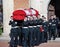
8, 42
49, 39
53, 38
11, 46
46, 41
15, 46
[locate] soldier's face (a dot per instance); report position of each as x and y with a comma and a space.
43, 18
34, 17
54, 16
31, 18
38, 16
25, 19
51, 17
11, 17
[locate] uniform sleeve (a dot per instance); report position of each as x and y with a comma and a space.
25, 23
49, 24
57, 21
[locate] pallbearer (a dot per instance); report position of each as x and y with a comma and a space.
19, 23
40, 30
31, 31
25, 32
35, 35
45, 27
14, 33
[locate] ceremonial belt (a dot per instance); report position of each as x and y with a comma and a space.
30, 26
16, 27
53, 24
34, 26
24, 27
39, 25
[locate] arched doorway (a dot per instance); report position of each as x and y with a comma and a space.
54, 9
56, 5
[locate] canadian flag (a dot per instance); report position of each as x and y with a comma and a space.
18, 15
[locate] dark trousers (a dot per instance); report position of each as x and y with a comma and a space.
13, 42
35, 36
45, 36
38, 36
25, 34
42, 37
52, 32
31, 38
20, 36
14, 37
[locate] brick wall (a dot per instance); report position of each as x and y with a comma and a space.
21, 4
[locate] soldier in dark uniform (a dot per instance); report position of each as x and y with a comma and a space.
19, 23
35, 35
52, 28
25, 32
51, 18
31, 31
14, 34
45, 27
57, 21
40, 32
